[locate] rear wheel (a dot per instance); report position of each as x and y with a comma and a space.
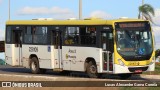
34, 66
125, 76
92, 70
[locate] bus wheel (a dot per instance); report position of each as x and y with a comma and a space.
125, 76
34, 66
92, 70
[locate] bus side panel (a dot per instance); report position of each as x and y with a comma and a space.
25, 56
52, 54
8, 54
44, 55
74, 57
41, 51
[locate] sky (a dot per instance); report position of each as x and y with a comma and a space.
65, 9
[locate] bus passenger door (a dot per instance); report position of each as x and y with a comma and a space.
108, 47
17, 40
57, 42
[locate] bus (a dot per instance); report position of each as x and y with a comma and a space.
94, 46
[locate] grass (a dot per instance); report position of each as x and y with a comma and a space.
156, 72
129, 88
139, 88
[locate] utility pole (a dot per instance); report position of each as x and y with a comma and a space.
9, 9
80, 9
142, 5
142, 2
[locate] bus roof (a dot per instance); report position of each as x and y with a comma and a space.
68, 22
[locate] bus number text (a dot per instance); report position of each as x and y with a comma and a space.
33, 49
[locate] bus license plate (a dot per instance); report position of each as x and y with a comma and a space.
138, 71
134, 63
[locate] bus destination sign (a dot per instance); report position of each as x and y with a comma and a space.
131, 25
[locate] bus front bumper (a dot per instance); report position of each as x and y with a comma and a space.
118, 69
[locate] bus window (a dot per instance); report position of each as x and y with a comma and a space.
28, 35
72, 35
8, 35
40, 35
107, 41
17, 40
88, 35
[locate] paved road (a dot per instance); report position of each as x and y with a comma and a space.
23, 71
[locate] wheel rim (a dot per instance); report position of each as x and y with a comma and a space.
93, 69
33, 66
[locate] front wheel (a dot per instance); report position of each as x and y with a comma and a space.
92, 70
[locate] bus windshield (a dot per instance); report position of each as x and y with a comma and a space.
134, 43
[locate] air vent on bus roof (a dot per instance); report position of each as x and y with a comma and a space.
72, 19
44, 19
123, 18
93, 18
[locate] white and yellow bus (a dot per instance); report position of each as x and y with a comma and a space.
94, 46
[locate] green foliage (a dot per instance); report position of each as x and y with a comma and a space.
139, 88
2, 62
156, 72
131, 88
146, 10
157, 53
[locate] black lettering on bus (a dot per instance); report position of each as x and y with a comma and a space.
33, 49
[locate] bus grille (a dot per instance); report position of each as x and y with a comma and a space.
137, 68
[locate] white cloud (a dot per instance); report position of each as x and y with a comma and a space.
100, 14
156, 28
2, 34
156, 19
55, 12
0, 1
43, 11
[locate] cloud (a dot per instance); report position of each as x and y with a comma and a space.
43, 11
1, 1
156, 19
156, 28
2, 34
100, 14
55, 12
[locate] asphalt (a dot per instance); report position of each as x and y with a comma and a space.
14, 71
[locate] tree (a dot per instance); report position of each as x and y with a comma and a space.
157, 53
145, 12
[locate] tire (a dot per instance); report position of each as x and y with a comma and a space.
34, 66
92, 70
124, 76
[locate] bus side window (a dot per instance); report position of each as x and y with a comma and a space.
71, 36
28, 35
88, 35
40, 34
8, 35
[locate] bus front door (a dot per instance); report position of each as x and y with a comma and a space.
57, 41
17, 40
108, 47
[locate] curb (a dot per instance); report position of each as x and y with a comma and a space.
150, 76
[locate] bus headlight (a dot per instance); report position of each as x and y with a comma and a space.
120, 62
